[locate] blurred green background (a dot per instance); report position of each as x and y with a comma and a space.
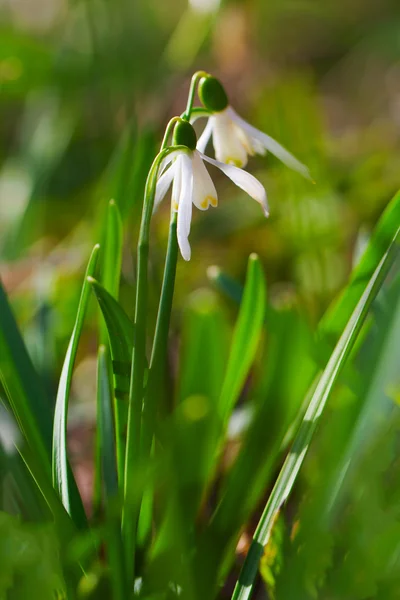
86, 88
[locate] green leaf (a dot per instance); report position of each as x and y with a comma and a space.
204, 347
112, 255
195, 425
353, 474
336, 317
105, 419
108, 459
62, 475
245, 337
284, 378
30, 560
110, 274
120, 331
23, 386
294, 460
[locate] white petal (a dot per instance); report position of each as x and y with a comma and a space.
272, 145
204, 192
177, 183
163, 184
258, 147
185, 206
171, 156
229, 148
244, 180
205, 136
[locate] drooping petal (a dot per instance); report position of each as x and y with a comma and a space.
185, 206
270, 144
244, 139
177, 182
258, 147
204, 192
171, 156
163, 185
229, 148
243, 180
205, 136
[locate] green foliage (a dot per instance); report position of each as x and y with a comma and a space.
30, 560
61, 472
232, 398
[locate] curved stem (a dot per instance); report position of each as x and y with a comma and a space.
132, 456
160, 342
192, 91
197, 113
132, 499
168, 132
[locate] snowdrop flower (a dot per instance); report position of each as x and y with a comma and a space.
234, 139
192, 184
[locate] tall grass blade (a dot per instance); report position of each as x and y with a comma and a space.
112, 255
245, 337
62, 475
120, 331
23, 386
294, 460
105, 420
336, 317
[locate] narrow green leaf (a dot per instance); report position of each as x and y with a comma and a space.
245, 337
23, 386
105, 420
18, 490
28, 403
111, 259
283, 379
336, 317
204, 347
62, 475
120, 331
295, 458
112, 254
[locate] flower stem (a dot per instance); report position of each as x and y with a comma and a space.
192, 91
160, 342
132, 456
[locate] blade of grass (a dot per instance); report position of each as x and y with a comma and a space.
112, 255
111, 259
105, 420
62, 475
245, 337
23, 386
120, 331
283, 379
337, 315
294, 460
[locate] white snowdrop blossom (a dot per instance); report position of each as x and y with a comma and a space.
192, 184
234, 140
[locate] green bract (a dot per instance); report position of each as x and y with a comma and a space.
212, 94
184, 135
